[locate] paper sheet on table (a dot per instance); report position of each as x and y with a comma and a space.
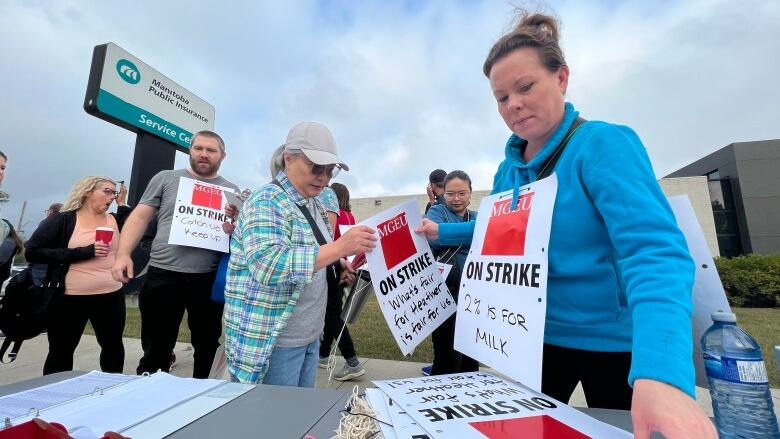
122, 407
187, 412
18, 405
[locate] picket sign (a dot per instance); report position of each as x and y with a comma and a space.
503, 297
406, 278
483, 405
198, 215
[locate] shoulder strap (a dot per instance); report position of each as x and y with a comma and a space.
549, 166
314, 227
333, 272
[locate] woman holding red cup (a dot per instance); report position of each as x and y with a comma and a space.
79, 245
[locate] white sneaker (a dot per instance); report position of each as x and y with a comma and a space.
348, 372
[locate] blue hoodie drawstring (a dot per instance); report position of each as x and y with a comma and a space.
516, 190
516, 185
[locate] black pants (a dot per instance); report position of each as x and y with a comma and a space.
445, 358
334, 323
162, 301
68, 317
604, 376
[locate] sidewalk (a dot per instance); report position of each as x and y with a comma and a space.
33, 353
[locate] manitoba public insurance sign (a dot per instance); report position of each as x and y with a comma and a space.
125, 91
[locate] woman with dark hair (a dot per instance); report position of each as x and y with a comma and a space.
620, 275
457, 197
67, 242
345, 210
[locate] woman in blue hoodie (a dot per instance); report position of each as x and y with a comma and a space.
620, 275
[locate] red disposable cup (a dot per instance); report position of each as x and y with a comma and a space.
104, 235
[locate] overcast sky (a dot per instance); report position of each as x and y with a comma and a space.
398, 82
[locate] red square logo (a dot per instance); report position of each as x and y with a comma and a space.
538, 427
396, 239
505, 235
205, 196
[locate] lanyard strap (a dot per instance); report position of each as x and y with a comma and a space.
549, 165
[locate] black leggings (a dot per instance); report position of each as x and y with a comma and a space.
334, 323
68, 316
604, 376
445, 358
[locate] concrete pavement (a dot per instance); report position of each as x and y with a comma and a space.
33, 353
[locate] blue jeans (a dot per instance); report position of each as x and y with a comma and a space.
295, 366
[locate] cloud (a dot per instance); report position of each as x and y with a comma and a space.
399, 83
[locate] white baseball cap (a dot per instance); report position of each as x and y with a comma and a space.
316, 142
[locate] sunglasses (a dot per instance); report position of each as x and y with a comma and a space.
110, 192
329, 170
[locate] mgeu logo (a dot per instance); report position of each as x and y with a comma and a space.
128, 71
205, 196
396, 240
505, 234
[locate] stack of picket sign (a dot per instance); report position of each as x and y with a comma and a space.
476, 405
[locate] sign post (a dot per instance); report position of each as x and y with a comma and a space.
152, 155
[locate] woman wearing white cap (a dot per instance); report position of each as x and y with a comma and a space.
276, 283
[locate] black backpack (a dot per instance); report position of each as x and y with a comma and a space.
8, 249
24, 308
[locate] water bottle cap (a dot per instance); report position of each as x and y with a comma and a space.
724, 317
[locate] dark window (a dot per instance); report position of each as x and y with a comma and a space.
714, 175
725, 215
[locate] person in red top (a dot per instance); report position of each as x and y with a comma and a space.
345, 210
333, 323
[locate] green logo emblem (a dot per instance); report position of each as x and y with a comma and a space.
128, 71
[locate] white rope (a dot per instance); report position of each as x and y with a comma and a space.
359, 422
332, 357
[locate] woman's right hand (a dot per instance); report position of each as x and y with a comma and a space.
101, 250
430, 229
358, 239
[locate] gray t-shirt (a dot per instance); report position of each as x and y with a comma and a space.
161, 193
308, 318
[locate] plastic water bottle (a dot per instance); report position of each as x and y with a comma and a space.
738, 381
